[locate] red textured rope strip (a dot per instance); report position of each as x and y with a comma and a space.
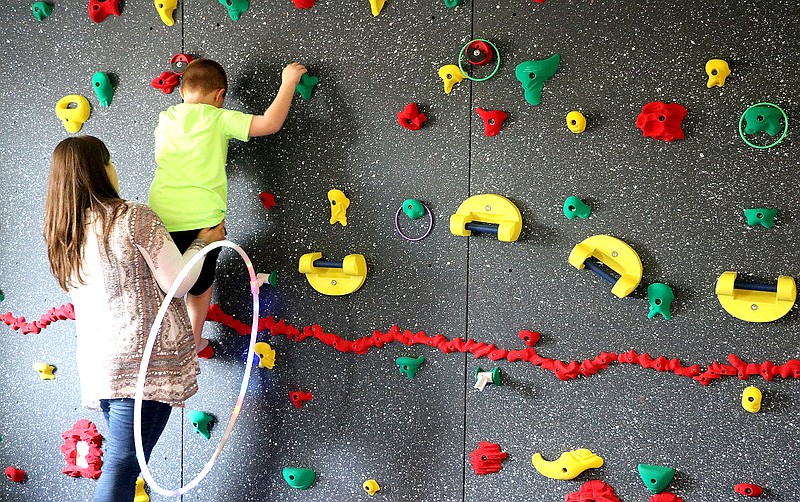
54, 314
562, 370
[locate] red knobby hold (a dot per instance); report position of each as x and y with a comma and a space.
745, 370
486, 458
206, 353
411, 118
593, 491
492, 120
101, 9
267, 200
665, 497
14, 474
61, 313
299, 397
166, 82
662, 121
304, 4
83, 430
748, 490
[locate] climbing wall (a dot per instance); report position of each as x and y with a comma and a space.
679, 205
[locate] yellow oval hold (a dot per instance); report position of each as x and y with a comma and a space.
751, 399
576, 122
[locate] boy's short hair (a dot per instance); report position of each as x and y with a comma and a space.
204, 75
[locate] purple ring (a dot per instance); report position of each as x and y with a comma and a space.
404, 236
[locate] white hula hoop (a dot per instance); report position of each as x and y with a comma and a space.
148, 351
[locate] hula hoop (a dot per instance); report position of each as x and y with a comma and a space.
785, 126
496, 66
413, 239
148, 351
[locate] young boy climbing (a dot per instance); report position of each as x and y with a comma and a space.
190, 187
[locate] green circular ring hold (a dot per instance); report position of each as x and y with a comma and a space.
785, 126
461, 54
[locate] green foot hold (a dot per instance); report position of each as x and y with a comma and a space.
306, 86
413, 209
533, 74
235, 7
655, 477
573, 207
762, 216
482, 378
409, 365
299, 477
660, 297
201, 421
451, 4
103, 88
41, 10
763, 118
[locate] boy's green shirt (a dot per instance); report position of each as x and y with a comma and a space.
190, 188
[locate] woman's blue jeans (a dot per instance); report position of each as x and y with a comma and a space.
120, 468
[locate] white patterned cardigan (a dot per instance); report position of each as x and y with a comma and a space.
117, 304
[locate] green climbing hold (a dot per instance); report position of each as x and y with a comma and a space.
273, 279
450, 4
306, 86
763, 118
413, 209
235, 7
41, 10
655, 477
533, 74
573, 207
2, 296
409, 365
495, 376
763, 216
660, 297
103, 88
201, 421
299, 477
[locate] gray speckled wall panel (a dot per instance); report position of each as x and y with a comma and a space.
679, 205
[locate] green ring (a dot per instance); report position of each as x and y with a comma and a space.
785, 126
461, 55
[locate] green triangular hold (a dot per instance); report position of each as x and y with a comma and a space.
655, 477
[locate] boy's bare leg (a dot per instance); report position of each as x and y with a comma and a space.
198, 310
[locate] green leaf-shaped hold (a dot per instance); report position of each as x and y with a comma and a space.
533, 74
41, 10
574, 206
235, 7
103, 88
409, 365
200, 420
306, 86
763, 216
655, 477
299, 477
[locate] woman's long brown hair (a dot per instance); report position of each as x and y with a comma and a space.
78, 189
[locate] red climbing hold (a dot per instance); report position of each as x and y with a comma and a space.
101, 9
593, 491
304, 4
665, 497
267, 199
539, 1
486, 458
166, 82
661, 120
299, 397
14, 474
748, 490
479, 53
206, 353
492, 120
83, 431
411, 118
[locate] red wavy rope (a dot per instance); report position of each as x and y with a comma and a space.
563, 370
54, 314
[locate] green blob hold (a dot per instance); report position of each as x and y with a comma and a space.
413, 209
235, 7
103, 88
306, 86
533, 74
573, 207
660, 297
299, 477
763, 118
763, 216
409, 365
450, 4
200, 420
41, 10
273, 279
655, 477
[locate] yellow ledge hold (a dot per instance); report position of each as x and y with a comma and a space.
266, 355
73, 117
451, 75
334, 278
491, 209
613, 253
569, 465
165, 9
756, 305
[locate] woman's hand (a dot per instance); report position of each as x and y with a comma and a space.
213, 234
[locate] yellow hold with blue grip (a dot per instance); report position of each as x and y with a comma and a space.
756, 302
490, 214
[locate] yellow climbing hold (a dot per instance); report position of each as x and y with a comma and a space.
717, 70
371, 487
376, 5
73, 110
751, 399
339, 204
266, 355
165, 9
451, 75
568, 465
